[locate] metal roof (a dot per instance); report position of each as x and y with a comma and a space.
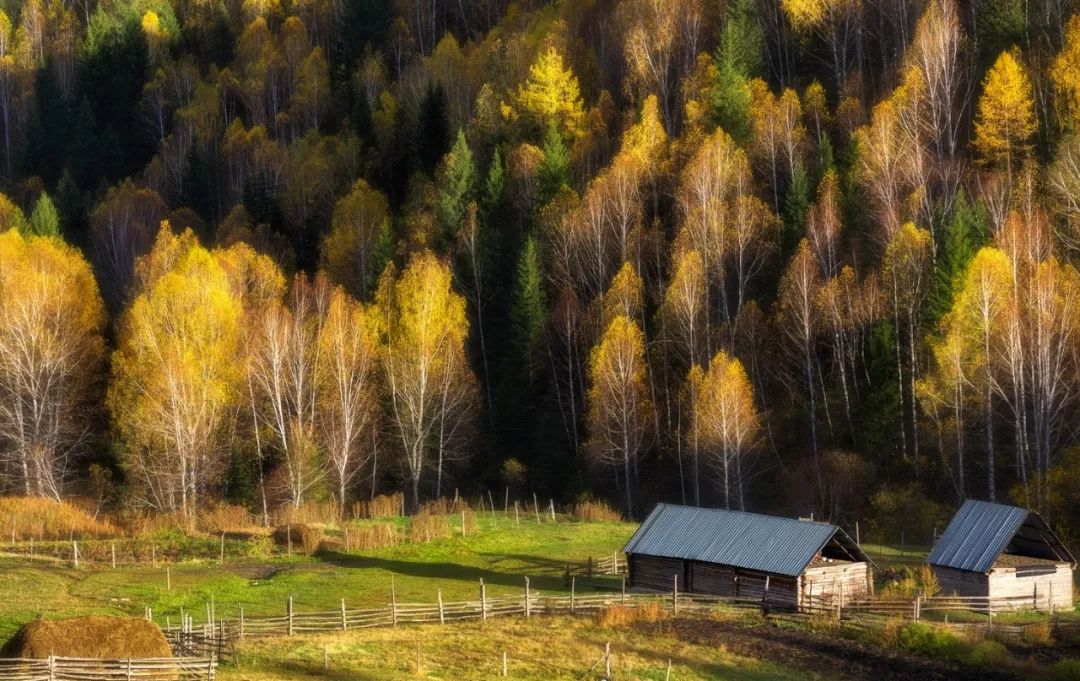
782, 546
981, 531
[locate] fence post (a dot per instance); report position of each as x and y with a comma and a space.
517, 514
551, 506
241, 621
168, 579
614, 563
536, 508
573, 590
589, 572
1035, 596
52, 668
442, 617
75, 553
528, 611
393, 601
483, 600
112, 550
675, 596
918, 597
344, 620
607, 659
289, 614
221, 555
765, 598
624, 589
288, 536
504, 664
129, 676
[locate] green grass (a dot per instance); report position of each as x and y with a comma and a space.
537, 649
499, 553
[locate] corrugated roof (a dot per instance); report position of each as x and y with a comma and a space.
978, 533
781, 546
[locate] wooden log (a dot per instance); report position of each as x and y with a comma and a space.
675, 596
528, 609
483, 600
344, 620
442, 616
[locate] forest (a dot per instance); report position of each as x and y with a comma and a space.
809, 256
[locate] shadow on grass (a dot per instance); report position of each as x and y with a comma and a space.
315, 672
543, 574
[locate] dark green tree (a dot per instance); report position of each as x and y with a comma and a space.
456, 182
554, 172
962, 235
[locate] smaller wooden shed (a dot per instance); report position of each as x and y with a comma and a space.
733, 553
1004, 553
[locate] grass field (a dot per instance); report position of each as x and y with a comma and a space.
499, 553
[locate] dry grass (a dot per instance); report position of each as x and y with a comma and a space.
228, 518
369, 537
309, 513
302, 538
920, 580
95, 636
426, 527
25, 518
443, 506
624, 615
382, 506
1039, 634
595, 511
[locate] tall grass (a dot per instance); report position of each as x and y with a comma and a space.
25, 518
595, 511
382, 506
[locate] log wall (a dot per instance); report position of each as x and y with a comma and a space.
1041, 588
655, 572
838, 581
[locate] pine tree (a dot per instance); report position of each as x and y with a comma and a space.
554, 172
796, 206
456, 182
528, 311
44, 221
961, 237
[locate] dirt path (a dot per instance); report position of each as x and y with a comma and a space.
831, 656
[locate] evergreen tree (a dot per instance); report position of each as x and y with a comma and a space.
456, 186
554, 172
527, 313
44, 221
961, 237
494, 184
738, 59
796, 206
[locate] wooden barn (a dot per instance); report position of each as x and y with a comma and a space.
733, 553
1005, 553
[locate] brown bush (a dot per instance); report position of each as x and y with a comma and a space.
303, 538
625, 615
595, 511
23, 518
227, 518
368, 537
444, 506
426, 527
309, 513
96, 636
382, 506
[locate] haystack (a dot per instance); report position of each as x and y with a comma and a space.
96, 636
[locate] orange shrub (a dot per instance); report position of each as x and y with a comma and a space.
382, 506
595, 511
23, 518
625, 615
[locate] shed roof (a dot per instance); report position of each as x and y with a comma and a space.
981, 531
782, 546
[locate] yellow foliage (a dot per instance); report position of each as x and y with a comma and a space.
1065, 74
175, 373
1005, 120
552, 93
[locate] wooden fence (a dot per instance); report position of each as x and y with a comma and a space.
83, 668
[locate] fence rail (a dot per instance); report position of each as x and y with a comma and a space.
83, 668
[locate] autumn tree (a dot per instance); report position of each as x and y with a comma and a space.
425, 331
729, 423
175, 376
620, 413
347, 391
1005, 118
360, 241
51, 350
551, 95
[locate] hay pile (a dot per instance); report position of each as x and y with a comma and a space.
97, 636
302, 537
